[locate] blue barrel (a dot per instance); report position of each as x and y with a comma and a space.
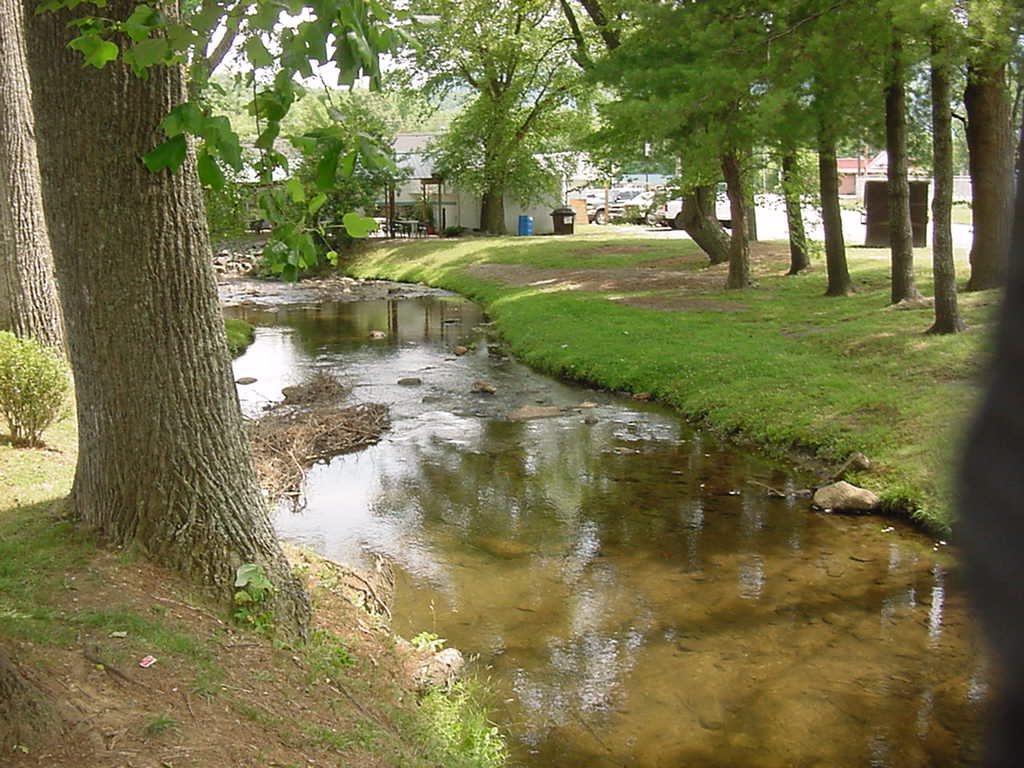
526, 225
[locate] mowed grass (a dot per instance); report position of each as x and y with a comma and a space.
780, 365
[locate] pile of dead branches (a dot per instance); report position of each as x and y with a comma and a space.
289, 439
320, 389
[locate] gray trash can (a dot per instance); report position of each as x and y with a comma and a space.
564, 220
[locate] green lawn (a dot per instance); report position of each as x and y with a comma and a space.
780, 365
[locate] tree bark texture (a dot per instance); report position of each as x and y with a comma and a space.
947, 312
839, 283
739, 245
799, 260
992, 518
25, 714
492, 213
751, 205
901, 243
28, 295
698, 218
990, 151
163, 460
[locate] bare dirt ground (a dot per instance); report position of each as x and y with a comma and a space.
257, 705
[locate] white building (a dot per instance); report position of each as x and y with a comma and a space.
450, 206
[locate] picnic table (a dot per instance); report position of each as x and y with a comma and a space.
409, 227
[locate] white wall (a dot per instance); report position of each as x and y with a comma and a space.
543, 224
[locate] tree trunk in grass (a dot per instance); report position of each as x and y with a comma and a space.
24, 712
698, 219
839, 283
904, 286
28, 293
739, 246
163, 460
991, 519
990, 148
947, 313
492, 212
799, 260
751, 214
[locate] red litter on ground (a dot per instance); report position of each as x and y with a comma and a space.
147, 662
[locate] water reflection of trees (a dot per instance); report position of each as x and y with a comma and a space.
567, 549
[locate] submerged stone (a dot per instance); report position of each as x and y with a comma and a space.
535, 412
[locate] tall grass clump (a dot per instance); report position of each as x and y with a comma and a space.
34, 385
455, 727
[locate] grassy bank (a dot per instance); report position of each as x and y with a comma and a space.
240, 334
78, 617
781, 365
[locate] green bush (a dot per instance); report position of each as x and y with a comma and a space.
228, 209
453, 231
34, 386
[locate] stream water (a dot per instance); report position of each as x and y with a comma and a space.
628, 587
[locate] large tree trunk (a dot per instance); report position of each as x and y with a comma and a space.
839, 283
990, 148
751, 209
25, 714
947, 313
799, 260
992, 518
901, 236
739, 246
492, 212
163, 461
698, 218
28, 294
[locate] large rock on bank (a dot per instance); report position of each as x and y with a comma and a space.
844, 496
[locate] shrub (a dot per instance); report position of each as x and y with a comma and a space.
34, 386
453, 231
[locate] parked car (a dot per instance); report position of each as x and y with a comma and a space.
619, 204
670, 213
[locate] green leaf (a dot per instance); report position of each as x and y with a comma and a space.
142, 21
171, 154
266, 16
184, 118
180, 37
252, 575
327, 168
95, 49
266, 139
147, 53
222, 141
257, 53
348, 165
295, 189
317, 203
307, 252
207, 17
210, 173
358, 226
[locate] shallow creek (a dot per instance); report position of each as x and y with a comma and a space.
631, 592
